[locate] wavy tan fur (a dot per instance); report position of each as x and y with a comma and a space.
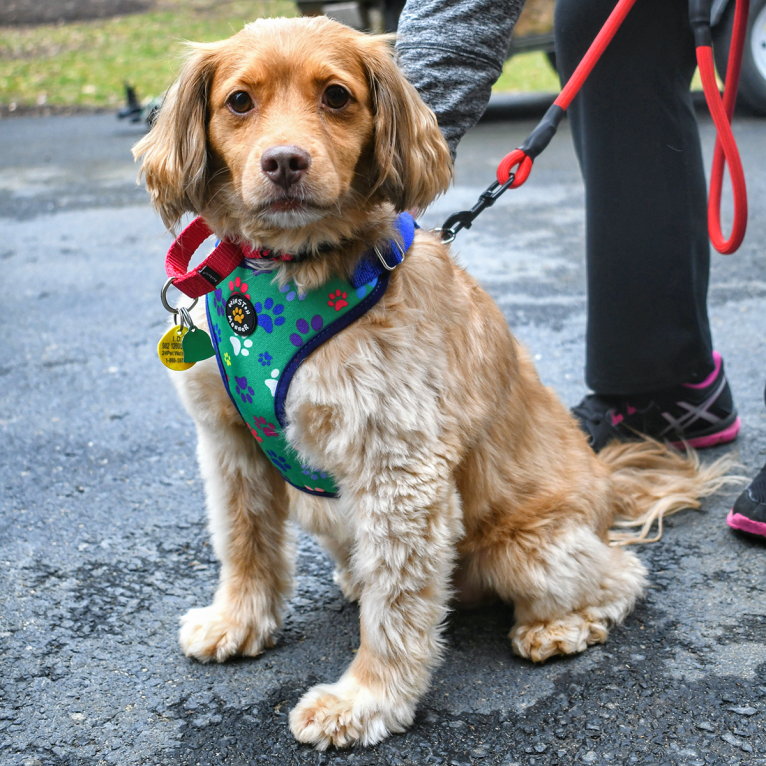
459, 473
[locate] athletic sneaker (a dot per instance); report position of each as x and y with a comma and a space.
749, 512
698, 414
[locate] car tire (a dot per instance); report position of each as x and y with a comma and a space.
752, 81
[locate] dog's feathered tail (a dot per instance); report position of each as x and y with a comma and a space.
652, 481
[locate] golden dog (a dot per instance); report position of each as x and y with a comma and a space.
450, 455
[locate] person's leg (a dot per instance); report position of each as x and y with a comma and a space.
647, 248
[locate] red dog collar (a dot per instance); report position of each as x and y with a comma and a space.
215, 268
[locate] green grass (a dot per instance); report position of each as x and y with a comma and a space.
528, 72
85, 64
533, 72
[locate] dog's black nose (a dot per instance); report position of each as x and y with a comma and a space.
285, 165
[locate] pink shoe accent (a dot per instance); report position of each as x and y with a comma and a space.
703, 442
710, 378
616, 419
631, 409
738, 521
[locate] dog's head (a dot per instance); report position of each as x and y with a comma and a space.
292, 125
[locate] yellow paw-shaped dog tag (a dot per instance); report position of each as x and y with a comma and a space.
170, 349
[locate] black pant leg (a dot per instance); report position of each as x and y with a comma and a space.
647, 248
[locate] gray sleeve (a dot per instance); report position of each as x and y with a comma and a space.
452, 51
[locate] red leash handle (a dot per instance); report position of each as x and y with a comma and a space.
726, 152
516, 157
215, 268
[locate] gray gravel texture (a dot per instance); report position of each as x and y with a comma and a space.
102, 532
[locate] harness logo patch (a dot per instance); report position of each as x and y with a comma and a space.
241, 315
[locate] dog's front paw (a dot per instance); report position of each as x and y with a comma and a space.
211, 634
346, 713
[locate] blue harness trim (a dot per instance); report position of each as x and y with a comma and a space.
333, 329
370, 265
369, 268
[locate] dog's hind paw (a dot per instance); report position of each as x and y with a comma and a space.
345, 714
209, 634
574, 633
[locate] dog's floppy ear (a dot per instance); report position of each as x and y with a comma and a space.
412, 159
175, 153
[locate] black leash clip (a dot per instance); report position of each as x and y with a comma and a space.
465, 218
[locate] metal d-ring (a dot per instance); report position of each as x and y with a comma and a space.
445, 235
164, 299
383, 260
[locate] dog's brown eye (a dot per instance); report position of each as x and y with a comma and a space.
336, 97
240, 102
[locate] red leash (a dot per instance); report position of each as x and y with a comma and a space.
725, 150
521, 157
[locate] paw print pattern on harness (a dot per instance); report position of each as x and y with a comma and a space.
218, 301
269, 429
279, 461
338, 300
264, 319
238, 286
313, 473
272, 383
240, 347
245, 392
292, 293
303, 328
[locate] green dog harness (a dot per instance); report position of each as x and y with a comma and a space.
262, 333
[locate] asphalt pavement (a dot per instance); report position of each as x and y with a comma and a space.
102, 527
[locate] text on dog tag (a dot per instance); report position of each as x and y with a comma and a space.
170, 349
